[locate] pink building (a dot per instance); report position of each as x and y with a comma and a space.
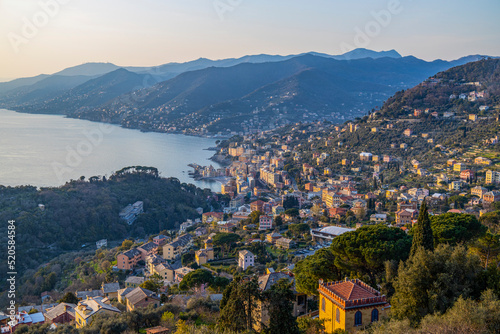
265, 222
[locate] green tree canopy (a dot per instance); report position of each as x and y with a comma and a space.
431, 282
154, 284
126, 245
298, 229
454, 228
219, 284
364, 251
225, 240
69, 297
422, 232
238, 305
195, 279
491, 220
290, 202
310, 270
278, 221
293, 212
487, 247
466, 316
254, 216
278, 301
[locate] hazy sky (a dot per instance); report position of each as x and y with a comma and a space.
45, 36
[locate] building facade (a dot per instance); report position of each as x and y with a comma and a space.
245, 259
350, 304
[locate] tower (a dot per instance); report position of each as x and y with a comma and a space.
209, 249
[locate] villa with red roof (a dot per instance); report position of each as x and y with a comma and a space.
350, 304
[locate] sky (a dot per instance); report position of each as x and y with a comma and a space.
46, 36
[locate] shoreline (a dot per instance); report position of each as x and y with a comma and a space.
48, 178
222, 160
208, 136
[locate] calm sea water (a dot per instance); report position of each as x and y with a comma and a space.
48, 150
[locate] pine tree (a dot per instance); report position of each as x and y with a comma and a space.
278, 300
422, 234
238, 305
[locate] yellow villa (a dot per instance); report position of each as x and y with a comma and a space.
349, 305
205, 255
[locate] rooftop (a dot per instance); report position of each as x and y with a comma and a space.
138, 294
267, 281
110, 287
335, 230
351, 293
149, 246
135, 280
60, 310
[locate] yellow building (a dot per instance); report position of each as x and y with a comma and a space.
165, 271
492, 177
205, 255
482, 161
459, 167
87, 309
390, 193
349, 305
177, 247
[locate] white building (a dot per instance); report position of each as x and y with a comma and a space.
101, 243
131, 211
328, 233
245, 259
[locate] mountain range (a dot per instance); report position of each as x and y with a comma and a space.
206, 96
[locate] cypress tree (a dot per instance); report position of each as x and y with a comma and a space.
422, 234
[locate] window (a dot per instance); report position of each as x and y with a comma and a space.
323, 304
374, 315
300, 300
338, 315
358, 319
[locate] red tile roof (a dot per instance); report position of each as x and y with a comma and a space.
350, 291
350, 294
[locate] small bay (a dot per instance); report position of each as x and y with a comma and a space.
49, 150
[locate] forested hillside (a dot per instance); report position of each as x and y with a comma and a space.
442, 92
85, 211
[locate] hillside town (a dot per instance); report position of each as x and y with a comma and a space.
333, 228
291, 216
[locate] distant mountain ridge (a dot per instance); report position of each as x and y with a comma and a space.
209, 96
96, 68
91, 93
89, 69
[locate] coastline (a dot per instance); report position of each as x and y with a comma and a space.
222, 160
52, 169
191, 134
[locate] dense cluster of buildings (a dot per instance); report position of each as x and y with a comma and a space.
90, 304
